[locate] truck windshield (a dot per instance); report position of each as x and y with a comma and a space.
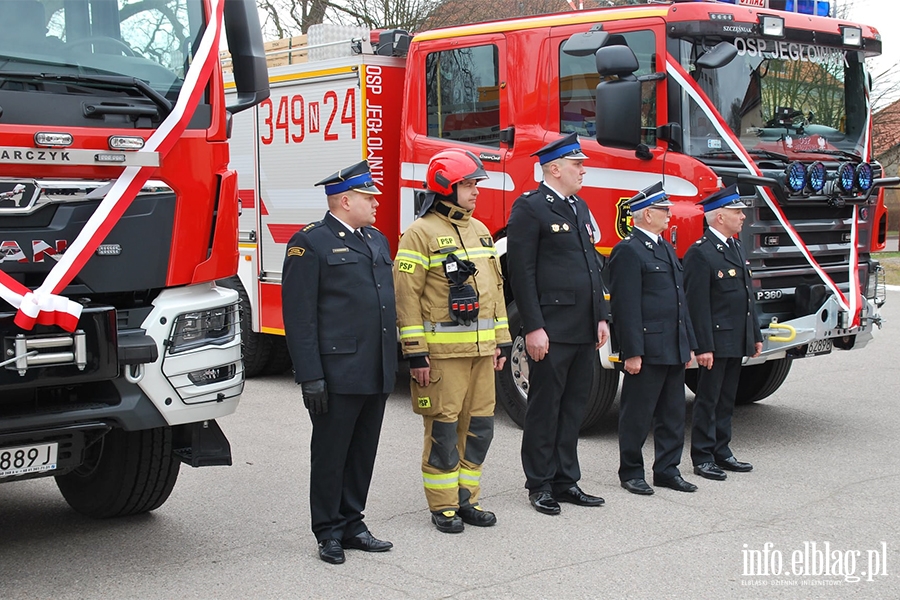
88, 40
779, 98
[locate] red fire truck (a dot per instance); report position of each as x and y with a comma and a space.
695, 94
117, 215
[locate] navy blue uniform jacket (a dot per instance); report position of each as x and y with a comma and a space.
649, 311
720, 299
338, 306
554, 268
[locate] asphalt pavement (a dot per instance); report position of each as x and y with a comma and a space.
817, 518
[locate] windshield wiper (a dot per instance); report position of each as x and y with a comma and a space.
753, 151
830, 152
120, 81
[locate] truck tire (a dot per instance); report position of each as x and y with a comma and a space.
255, 347
512, 388
279, 357
757, 381
124, 473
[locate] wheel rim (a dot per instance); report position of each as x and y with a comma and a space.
518, 367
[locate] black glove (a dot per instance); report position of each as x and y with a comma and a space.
463, 304
315, 396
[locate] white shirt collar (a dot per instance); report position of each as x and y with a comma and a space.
351, 229
719, 234
553, 189
652, 236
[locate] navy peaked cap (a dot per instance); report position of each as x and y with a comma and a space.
356, 177
564, 147
653, 195
725, 198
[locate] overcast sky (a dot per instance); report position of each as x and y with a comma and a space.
884, 15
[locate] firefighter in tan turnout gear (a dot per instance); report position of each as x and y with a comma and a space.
452, 318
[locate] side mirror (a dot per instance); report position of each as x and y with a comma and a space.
720, 55
248, 57
618, 107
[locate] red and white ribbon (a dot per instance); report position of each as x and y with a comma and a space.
44, 306
851, 304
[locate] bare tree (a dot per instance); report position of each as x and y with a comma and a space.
285, 18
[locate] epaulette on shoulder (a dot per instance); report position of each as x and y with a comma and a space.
700, 241
529, 193
375, 228
311, 226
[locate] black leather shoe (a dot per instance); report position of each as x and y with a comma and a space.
710, 471
733, 464
637, 486
477, 516
331, 552
676, 483
447, 521
366, 542
543, 502
575, 495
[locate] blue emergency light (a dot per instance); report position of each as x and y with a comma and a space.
821, 8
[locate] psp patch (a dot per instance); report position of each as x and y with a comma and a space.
406, 266
446, 240
423, 402
295, 251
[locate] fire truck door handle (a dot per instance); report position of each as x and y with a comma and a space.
508, 135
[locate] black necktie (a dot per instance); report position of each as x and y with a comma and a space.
360, 235
732, 248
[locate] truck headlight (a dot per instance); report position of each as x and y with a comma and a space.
214, 326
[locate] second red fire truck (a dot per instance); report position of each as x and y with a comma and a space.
695, 94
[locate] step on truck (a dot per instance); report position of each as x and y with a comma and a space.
117, 215
698, 95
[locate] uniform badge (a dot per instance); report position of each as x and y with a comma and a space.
295, 251
732, 272
624, 221
446, 240
720, 247
341, 234
720, 274
565, 226
487, 242
649, 245
423, 402
554, 228
339, 250
549, 198
406, 266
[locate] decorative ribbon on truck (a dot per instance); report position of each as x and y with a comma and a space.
850, 304
44, 306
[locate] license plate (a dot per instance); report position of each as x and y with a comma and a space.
817, 347
28, 459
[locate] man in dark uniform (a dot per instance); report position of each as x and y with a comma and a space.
339, 320
653, 329
726, 324
555, 276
